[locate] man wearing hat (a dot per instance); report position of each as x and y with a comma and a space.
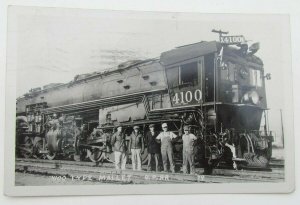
166, 138
153, 147
54, 122
136, 146
119, 145
188, 150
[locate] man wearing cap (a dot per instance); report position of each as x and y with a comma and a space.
136, 146
119, 145
188, 150
166, 138
54, 122
153, 147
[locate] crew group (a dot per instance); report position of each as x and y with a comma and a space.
158, 143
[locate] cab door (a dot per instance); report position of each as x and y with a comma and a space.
185, 82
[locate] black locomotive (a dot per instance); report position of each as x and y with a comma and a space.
218, 88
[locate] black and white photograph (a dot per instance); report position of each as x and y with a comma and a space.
132, 101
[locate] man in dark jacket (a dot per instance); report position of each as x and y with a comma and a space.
153, 147
119, 146
136, 146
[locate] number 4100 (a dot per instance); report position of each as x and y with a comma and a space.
187, 97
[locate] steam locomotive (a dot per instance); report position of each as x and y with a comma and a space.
216, 87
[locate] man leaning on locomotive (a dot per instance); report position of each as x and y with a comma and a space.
159, 145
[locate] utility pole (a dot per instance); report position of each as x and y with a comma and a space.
220, 32
282, 132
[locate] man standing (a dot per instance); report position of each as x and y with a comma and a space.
166, 138
119, 145
153, 147
188, 150
136, 146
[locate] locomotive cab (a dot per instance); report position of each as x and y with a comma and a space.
227, 85
189, 72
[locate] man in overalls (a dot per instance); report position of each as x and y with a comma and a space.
166, 138
119, 145
188, 150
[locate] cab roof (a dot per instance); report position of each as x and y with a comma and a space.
187, 52
190, 51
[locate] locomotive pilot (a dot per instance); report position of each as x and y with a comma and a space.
165, 138
136, 147
188, 154
153, 147
118, 143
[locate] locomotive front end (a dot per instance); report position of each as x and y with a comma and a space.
221, 85
241, 102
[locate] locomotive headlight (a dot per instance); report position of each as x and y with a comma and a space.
252, 97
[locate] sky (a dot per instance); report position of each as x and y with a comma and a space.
53, 45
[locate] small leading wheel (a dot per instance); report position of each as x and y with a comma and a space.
95, 155
50, 155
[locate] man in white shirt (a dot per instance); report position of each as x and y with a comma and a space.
165, 138
188, 150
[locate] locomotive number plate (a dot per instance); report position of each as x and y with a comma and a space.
232, 39
187, 97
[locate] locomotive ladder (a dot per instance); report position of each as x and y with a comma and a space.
146, 104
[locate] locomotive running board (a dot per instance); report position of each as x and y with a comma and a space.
105, 102
204, 104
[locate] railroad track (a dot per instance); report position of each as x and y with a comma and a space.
105, 173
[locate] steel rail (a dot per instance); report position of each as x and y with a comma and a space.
91, 168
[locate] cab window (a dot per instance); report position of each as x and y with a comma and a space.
255, 77
188, 74
173, 77
228, 72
